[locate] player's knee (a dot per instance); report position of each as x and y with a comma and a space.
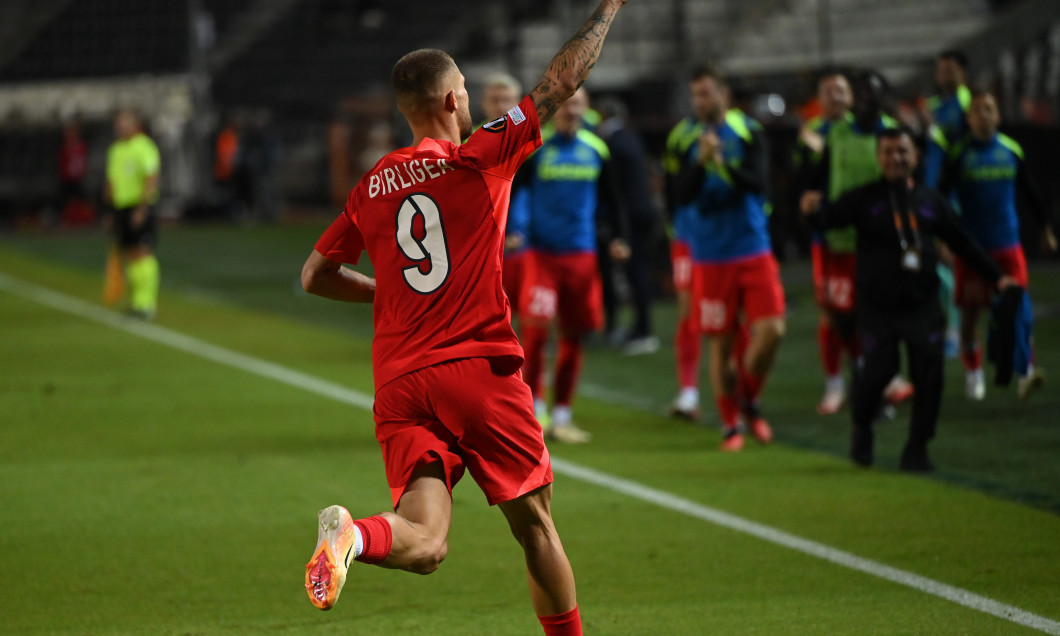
776, 329
428, 557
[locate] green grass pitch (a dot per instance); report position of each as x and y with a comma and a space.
145, 489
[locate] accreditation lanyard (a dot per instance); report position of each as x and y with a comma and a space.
910, 253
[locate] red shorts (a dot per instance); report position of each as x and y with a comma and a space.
512, 273
461, 413
681, 260
834, 276
563, 285
974, 292
720, 291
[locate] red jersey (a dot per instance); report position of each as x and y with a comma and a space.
432, 219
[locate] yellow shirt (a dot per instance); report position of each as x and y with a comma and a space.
130, 163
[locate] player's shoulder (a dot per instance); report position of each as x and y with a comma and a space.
1010, 144
593, 140
742, 124
687, 127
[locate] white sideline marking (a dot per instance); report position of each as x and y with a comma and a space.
176, 340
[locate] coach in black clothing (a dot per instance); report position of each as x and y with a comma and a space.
898, 299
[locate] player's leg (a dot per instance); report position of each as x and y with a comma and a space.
538, 312
830, 347
413, 538
638, 272
876, 366
723, 383
766, 334
924, 335
138, 238
970, 296
763, 306
829, 344
488, 411
1013, 262
580, 311
551, 579
971, 354
836, 295
687, 339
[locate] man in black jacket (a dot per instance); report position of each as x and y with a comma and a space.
898, 221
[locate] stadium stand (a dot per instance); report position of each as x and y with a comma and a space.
185, 64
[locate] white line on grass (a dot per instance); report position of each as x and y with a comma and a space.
176, 340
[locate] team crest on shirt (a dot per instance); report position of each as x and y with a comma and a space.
496, 125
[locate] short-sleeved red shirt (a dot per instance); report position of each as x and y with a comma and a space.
432, 218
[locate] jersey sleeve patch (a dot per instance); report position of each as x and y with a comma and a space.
517, 115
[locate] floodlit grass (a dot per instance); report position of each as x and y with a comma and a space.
146, 490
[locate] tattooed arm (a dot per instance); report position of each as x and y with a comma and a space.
574, 61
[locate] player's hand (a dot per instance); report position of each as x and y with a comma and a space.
811, 139
1005, 282
810, 202
1049, 241
619, 250
709, 149
138, 217
513, 242
946, 256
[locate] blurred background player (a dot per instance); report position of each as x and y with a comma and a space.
501, 93
682, 216
629, 160
835, 98
74, 209
946, 124
948, 109
132, 191
445, 358
848, 161
987, 174
568, 183
734, 274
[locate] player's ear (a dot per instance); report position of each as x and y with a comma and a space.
451, 104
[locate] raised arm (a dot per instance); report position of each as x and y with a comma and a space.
574, 61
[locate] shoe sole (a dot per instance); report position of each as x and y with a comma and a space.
324, 577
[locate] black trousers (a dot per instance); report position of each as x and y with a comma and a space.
638, 271
922, 330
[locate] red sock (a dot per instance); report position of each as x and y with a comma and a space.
972, 358
568, 364
751, 387
831, 347
687, 346
377, 537
534, 339
565, 624
729, 409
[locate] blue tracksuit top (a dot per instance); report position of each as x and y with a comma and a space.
984, 183
731, 222
562, 196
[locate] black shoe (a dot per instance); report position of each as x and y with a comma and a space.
861, 447
915, 459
